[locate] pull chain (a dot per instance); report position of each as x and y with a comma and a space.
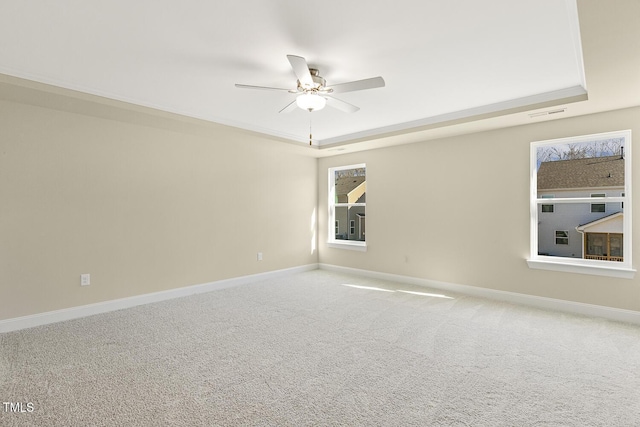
310, 137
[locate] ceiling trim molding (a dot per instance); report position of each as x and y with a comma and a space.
533, 102
574, 22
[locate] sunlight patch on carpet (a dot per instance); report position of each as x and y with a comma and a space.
373, 288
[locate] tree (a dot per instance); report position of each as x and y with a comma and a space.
602, 148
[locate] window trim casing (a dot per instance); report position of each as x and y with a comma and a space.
578, 265
332, 242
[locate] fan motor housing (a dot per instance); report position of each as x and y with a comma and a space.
317, 79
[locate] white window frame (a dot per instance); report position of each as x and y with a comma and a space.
578, 265
332, 242
352, 227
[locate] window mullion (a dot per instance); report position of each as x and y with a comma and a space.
581, 200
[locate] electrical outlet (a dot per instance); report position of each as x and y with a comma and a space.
259, 256
85, 279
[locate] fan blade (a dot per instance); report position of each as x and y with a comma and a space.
301, 70
371, 83
262, 87
292, 106
341, 105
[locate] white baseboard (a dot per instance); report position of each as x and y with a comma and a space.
592, 310
39, 319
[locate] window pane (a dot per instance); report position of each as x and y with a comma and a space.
581, 169
575, 231
350, 223
573, 213
347, 201
562, 237
351, 186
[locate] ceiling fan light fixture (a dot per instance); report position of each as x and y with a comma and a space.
311, 101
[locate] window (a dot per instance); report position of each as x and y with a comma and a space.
582, 236
598, 207
562, 237
547, 208
347, 205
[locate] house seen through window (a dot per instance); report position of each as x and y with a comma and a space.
347, 206
576, 228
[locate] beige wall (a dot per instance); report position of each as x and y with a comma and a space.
142, 209
150, 207
457, 210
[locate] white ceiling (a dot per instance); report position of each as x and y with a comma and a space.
444, 62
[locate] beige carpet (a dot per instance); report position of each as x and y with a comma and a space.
308, 350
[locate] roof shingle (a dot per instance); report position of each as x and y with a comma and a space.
591, 172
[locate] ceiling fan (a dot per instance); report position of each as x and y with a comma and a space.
312, 90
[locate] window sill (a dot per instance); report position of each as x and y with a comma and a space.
571, 267
350, 245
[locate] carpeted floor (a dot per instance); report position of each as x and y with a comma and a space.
321, 348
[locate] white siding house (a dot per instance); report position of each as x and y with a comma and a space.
581, 230
350, 221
